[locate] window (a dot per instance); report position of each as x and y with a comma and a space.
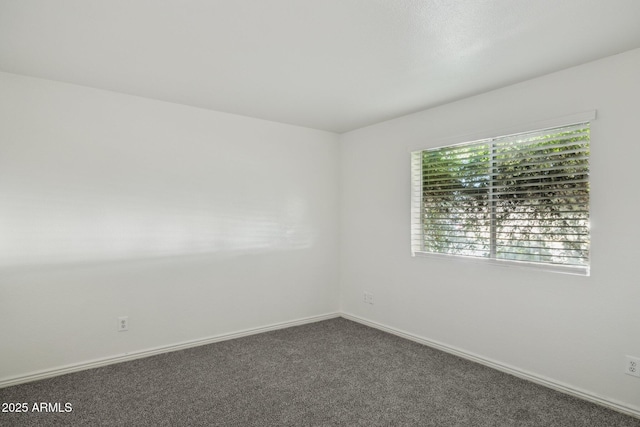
521, 198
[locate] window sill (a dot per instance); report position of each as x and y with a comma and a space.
554, 268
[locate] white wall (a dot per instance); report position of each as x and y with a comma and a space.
191, 222
573, 330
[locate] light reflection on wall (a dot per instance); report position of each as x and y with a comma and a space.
38, 230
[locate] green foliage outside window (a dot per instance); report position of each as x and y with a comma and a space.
522, 198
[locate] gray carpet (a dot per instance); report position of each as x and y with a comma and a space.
331, 373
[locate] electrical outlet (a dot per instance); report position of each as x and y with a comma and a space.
123, 323
632, 366
368, 298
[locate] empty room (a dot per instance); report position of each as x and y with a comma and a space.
319, 213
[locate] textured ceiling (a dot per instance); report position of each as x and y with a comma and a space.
335, 65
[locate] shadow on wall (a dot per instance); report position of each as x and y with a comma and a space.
40, 230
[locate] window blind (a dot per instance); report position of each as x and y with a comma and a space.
520, 198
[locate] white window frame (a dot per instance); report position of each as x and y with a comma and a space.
416, 195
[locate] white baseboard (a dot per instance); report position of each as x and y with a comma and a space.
76, 367
547, 382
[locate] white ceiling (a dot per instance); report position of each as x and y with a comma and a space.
335, 65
